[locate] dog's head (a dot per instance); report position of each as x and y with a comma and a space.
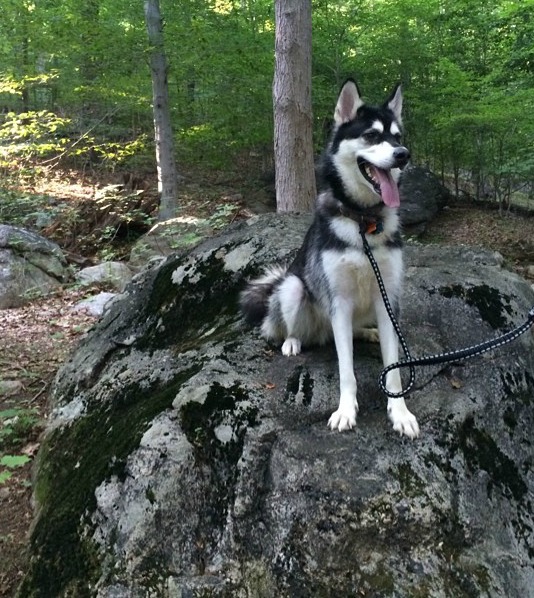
366, 146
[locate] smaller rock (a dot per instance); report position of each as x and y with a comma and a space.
530, 271
9, 388
96, 305
115, 274
30, 266
44, 219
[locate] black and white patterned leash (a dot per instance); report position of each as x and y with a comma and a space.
457, 355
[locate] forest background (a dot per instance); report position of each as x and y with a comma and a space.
75, 84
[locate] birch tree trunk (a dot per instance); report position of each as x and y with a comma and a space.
293, 144
165, 160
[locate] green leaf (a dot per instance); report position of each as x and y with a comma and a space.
4, 476
9, 413
13, 461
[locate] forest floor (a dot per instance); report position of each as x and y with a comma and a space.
37, 338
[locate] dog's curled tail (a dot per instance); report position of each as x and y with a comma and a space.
254, 300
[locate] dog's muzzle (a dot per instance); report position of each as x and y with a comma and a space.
401, 155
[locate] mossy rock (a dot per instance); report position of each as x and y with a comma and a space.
185, 456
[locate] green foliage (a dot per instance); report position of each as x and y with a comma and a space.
40, 134
10, 462
181, 233
124, 216
30, 134
467, 67
16, 426
24, 209
31, 126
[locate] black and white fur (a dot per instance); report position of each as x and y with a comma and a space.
329, 289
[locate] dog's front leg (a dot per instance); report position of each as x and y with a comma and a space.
402, 419
345, 416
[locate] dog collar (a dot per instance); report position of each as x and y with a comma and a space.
370, 224
373, 227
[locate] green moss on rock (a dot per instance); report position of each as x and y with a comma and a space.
411, 484
216, 429
481, 452
492, 305
68, 474
187, 312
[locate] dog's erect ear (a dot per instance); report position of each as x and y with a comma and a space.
394, 102
348, 102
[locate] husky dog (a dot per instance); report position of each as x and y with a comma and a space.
329, 289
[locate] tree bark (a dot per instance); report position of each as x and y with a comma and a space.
293, 124
165, 160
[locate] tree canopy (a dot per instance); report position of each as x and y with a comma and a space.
467, 67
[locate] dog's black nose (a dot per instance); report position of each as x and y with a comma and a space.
401, 155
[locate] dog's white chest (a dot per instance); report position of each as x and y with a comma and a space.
349, 274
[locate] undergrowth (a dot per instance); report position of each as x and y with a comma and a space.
17, 426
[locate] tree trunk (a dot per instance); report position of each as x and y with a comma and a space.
293, 143
166, 164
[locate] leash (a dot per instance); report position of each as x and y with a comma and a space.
446, 357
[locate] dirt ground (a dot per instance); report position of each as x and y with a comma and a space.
37, 338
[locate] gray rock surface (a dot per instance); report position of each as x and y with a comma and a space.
30, 265
95, 305
114, 274
186, 457
422, 198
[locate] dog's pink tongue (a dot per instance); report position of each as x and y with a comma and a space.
388, 188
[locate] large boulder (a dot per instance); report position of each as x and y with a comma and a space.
187, 457
422, 197
30, 265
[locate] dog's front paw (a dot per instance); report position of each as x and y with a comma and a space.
343, 419
291, 346
403, 419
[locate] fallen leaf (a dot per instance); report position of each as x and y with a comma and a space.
455, 383
31, 449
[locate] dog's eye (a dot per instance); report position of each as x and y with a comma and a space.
398, 137
371, 136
